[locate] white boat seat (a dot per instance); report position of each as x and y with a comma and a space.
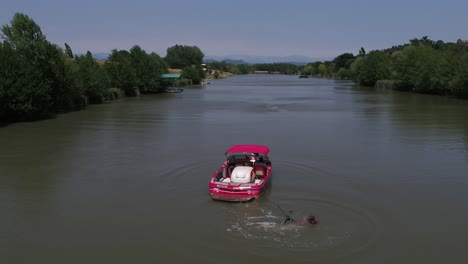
242, 174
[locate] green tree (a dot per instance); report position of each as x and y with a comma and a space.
375, 66
23, 34
355, 68
196, 74
322, 69
423, 41
188, 58
308, 70
93, 80
284, 68
144, 70
343, 74
419, 69
157, 67
216, 74
343, 60
121, 73
68, 51
459, 83
362, 52
181, 56
37, 84
244, 68
54, 68
73, 82
45, 63
24, 92
221, 65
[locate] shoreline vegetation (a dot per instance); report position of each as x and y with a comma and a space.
420, 66
39, 79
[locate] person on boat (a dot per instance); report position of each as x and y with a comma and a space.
261, 162
310, 220
230, 164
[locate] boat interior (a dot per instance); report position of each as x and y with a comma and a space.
259, 168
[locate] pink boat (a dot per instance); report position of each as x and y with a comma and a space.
244, 174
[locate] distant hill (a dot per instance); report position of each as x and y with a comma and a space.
235, 62
294, 59
101, 56
96, 56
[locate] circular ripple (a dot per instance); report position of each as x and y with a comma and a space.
345, 226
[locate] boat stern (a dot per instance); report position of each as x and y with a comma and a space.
234, 196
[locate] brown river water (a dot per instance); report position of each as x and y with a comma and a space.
385, 172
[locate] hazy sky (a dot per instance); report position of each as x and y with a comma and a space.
252, 27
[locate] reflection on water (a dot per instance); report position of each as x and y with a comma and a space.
128, 181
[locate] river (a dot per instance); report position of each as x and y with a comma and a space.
385, 172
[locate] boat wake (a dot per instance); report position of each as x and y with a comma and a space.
345, 227
347, 224
271, 230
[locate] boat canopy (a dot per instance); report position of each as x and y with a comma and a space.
249, 149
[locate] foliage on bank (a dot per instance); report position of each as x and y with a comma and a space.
39, 79
422, 66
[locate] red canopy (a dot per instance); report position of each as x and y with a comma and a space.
264, 150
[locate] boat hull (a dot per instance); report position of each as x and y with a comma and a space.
235, 196
237, 192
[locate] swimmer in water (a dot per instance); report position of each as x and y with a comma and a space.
310, 220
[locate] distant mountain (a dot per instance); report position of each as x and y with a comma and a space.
101, 56
235, 62
295, 59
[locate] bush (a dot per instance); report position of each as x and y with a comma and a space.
113, 93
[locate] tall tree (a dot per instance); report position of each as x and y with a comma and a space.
420, 68
196, 74
362, 52
459, 83
121, 72
181, 56
244, 68
93, 81
148, 69
343, 60
375, 66
323, 70
32, 87
23, 34
24, 92
68, 51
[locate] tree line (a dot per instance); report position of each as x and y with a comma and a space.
282, 68
39, 79
422, 66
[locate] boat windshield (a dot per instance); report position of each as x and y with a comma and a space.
242, 158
